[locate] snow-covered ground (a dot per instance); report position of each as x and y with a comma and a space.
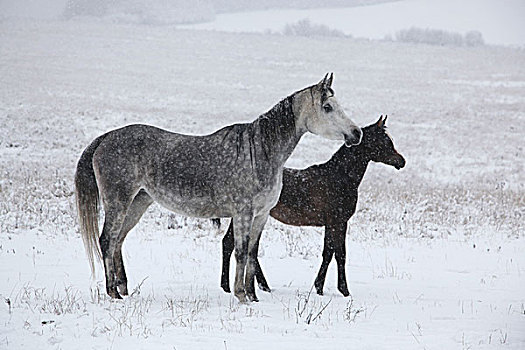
435, 251
500, 22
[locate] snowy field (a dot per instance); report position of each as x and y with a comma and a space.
435, 251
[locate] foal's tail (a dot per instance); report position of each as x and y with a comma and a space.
216, 223
86, 191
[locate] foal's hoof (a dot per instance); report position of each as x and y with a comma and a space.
344, 291
226, 288
318, 288
264, 287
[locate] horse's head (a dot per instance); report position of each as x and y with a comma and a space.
318, 111
379, 145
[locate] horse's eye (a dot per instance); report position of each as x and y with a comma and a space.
327, 108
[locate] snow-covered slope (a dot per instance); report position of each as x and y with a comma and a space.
435, 250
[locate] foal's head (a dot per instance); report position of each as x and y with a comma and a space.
318, 112
379, 145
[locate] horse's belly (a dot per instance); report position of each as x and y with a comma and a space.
195, 205
201, 199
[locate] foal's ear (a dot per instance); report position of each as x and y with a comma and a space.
382, 121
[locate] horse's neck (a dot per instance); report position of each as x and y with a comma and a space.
279, 132
350, 164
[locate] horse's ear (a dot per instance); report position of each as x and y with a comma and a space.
382, 121
322, 84
330, 80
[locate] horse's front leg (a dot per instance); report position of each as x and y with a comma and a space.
242, 227
227, 250
253, 250
340, 257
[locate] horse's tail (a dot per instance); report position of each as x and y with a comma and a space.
87, 195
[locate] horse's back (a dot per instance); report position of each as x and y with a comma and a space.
130, 145
140, 143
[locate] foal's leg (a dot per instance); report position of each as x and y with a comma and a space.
242, 226
227, 250
253, 250
340, 257
328, 253
259, 275
140, 203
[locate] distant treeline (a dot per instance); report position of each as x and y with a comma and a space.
437, 37
306, 28
440, 37
189, 11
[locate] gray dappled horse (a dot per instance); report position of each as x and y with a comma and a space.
234, 172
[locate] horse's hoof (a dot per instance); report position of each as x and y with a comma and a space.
241, 297
123, 290
264, 287
114, 294
226, 288
320, 292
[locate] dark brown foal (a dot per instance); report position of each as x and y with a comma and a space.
325, 195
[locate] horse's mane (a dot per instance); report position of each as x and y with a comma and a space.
267, 136
277, 124
271, 134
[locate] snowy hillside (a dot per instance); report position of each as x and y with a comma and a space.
435, 251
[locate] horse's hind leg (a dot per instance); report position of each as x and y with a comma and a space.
117, 200
140, 204
114, 217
